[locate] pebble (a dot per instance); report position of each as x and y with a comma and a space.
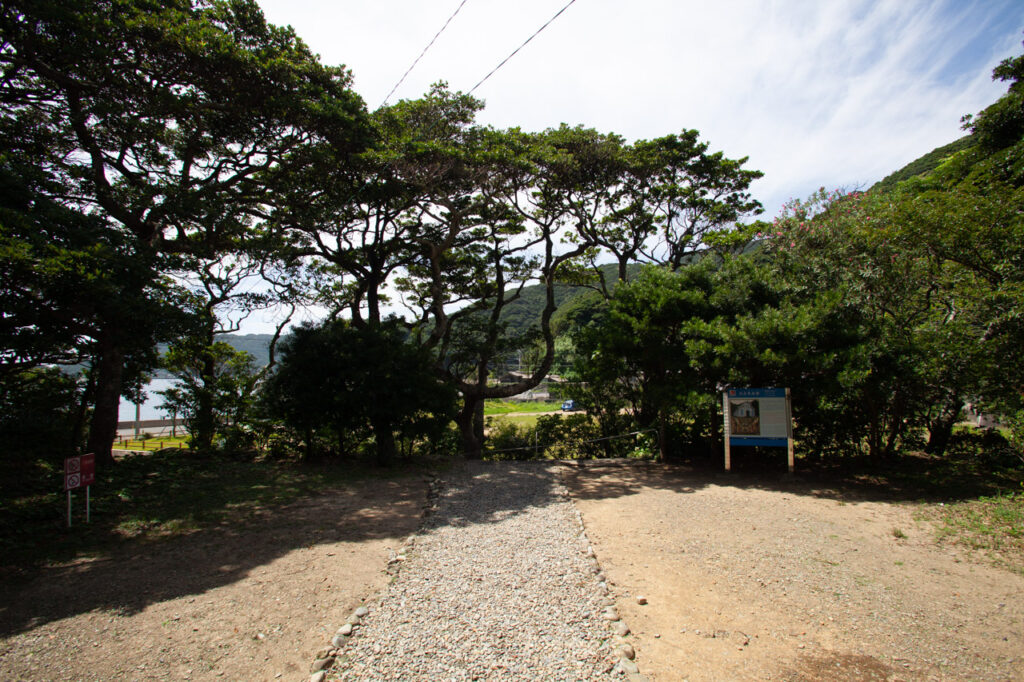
322, 664
641, 600
498, 588
627, 666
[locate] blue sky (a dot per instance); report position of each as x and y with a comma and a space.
833, 93
836, 93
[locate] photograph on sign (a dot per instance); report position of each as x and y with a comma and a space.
746, 418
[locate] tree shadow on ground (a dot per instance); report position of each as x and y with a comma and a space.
509, 488
140, 573
914, 477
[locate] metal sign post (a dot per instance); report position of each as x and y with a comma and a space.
79, 472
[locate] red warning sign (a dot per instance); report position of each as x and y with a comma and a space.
79, 471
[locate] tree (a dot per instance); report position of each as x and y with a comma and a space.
215, 389
169, 121
341, 379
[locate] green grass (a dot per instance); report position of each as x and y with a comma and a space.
147, 497
498, 407
528, 421
991, 523
152, 444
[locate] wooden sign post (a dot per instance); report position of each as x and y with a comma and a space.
758, 417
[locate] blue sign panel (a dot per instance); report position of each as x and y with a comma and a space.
758, 442
757, 393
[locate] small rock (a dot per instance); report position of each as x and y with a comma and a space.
323, 653
621, 629
362, 612
345, 630
321, 664
339, 640
610, 613
317, 677
627, 666
626, 651
641, 600
353, 620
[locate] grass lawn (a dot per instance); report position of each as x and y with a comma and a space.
498, 407
528, 421
152, 444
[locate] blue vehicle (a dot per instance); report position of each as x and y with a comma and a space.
568, 406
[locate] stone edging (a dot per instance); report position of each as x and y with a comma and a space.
326, 656
623, 653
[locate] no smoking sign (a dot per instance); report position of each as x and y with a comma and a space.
79, 471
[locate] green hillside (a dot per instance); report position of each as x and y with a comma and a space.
925, 164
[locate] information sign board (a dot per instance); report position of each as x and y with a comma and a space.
757, 417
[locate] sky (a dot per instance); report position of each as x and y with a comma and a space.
835, 94
817, 93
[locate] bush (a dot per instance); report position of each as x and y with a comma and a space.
508, 440
567, 437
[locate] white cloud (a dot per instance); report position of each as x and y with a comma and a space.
815, 93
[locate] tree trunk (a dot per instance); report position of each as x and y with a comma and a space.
662, 436
103, 427
713, 446
203, 423
874, 438
384, 433
940, 429
310, 451
78, 427
471, 427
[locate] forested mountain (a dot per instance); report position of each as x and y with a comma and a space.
926, 163
256, 345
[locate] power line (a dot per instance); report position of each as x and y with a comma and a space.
416, 61
520, 47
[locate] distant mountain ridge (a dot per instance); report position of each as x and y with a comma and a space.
256, 345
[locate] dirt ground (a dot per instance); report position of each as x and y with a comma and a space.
770, 578
252, 602
745, 578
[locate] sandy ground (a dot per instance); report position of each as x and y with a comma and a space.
745, 578
254, 602
757, 579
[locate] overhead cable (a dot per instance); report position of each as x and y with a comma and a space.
416, 61
520, 47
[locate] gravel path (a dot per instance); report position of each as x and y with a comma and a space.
500, 585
